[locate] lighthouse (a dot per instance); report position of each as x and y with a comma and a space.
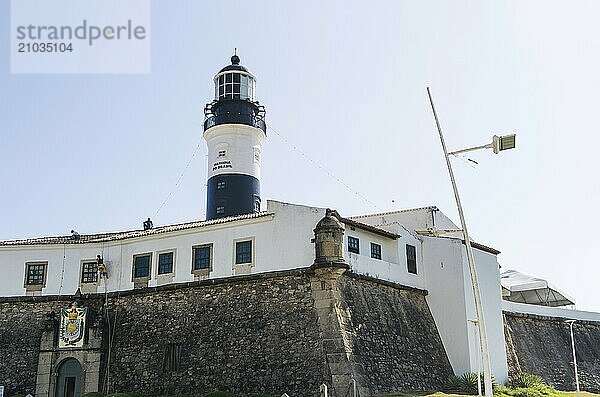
234, 130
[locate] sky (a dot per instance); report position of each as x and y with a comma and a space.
344, 85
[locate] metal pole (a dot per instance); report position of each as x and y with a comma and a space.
323, 390
353, 382
471, 149
487, 375
574, 357
474, 322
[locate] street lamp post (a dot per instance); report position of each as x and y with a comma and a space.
571, 322
474, 322
498, 144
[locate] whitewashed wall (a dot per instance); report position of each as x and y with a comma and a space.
393, 265
281, 241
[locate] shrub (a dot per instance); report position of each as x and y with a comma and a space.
94, 394
525, 380
124, 395
453, 383
218, 393
466, 384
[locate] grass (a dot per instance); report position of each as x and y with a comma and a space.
442, 394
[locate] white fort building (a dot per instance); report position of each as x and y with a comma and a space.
243, 235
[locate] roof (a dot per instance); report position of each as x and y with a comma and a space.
430, 207
364, 226
482, 247
523, 288
115, 236
235, 65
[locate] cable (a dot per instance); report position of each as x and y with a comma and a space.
322, 168
62, 273
179, 179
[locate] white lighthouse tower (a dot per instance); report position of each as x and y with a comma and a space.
234, 130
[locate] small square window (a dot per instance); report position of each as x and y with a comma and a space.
222, 153
411, 259
36, 273
353, 245
141, 265
220, 209
243, 252
89, 272
375, 251
165, 262
221, 185
201, 257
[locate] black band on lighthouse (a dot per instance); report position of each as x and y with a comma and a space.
232, 194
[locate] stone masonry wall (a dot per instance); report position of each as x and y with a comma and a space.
248, 335
393, 337
268, 333
542, 346
22, 323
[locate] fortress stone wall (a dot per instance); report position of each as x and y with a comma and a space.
269, 333
542, 345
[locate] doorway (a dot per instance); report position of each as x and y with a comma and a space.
68, 383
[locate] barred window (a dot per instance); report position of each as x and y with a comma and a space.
165, 262
220, 209
243, 252
89, 272
201, 257
141, 265
172, 359
221, 185
375, 251
411, 259
353, 245
36, 273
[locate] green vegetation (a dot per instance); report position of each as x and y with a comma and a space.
466, 384
519, 385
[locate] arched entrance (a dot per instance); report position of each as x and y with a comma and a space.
68, 383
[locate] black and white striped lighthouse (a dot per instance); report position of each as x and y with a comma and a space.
234, 130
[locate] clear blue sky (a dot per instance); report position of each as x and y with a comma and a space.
345, 82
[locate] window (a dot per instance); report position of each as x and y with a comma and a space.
256, 205
353, 245
375, 251
243, 252
411, 259
36, 273
235, 85
89, 272
141, 265
222, 153
172, 360
221, 185
220, 209
165, 262
201, 257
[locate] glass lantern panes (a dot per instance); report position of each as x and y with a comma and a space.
234, 85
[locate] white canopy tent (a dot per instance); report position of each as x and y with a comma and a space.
523, 288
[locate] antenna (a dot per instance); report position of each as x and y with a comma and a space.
235, 51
